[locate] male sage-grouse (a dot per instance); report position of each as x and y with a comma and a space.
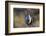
28, 19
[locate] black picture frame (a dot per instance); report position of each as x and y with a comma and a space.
6, 18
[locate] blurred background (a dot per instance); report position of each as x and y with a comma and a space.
20, 20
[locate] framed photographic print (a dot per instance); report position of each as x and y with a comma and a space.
24, 17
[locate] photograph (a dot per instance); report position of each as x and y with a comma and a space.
26, 17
